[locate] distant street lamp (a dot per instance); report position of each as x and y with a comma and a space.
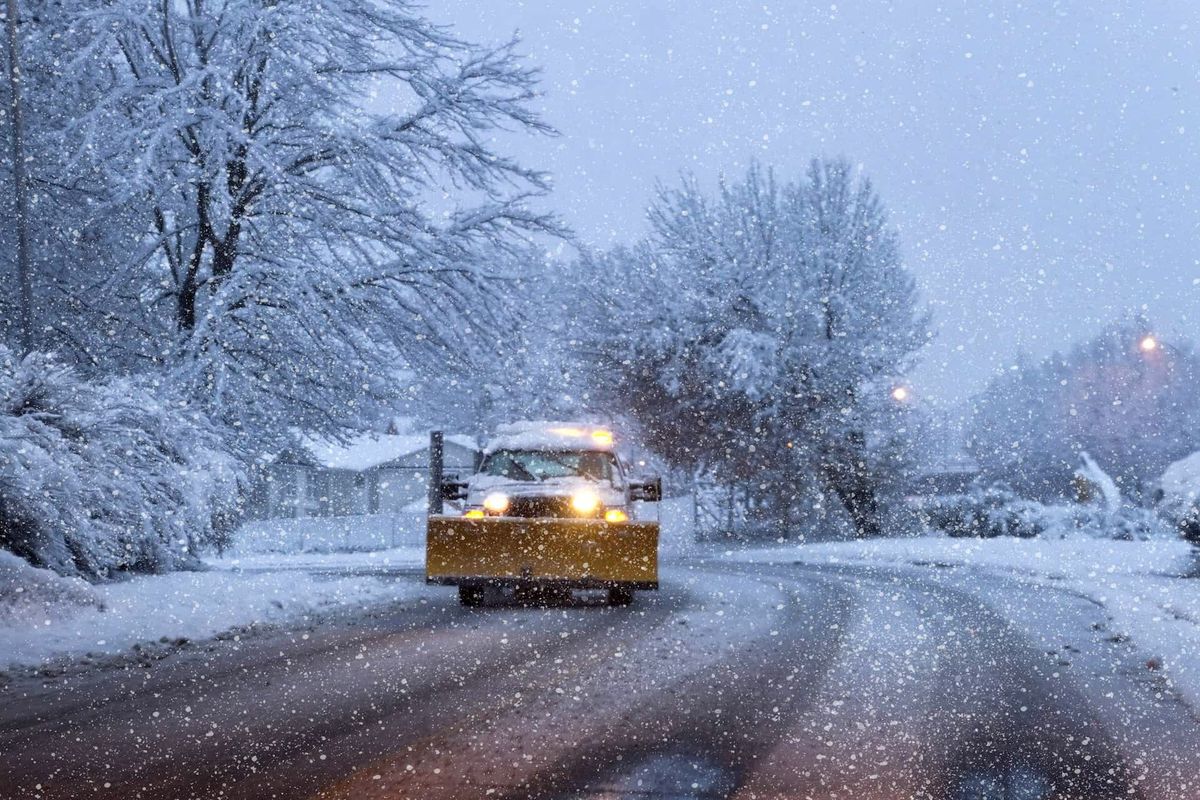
1148, 344
901, 394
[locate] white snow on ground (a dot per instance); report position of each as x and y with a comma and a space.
1082, 558
399, 557
1141, 585
45, 617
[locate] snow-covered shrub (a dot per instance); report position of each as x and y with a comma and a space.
97, 477
1127, 523
983, 513
992, 512
1178, 496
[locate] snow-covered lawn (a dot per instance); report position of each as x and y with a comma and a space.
409, 557
44, 617
1143, 587
1081, 559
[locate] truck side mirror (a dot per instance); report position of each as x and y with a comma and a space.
648, 490
453, 488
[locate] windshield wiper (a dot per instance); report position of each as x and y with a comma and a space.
529, 476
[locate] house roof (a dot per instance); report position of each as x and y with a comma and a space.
370, 450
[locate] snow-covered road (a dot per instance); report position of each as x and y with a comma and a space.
745, 680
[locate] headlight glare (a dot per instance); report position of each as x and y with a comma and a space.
496, 502
585, 501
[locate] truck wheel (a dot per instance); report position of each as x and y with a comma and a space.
620, 596
470, 595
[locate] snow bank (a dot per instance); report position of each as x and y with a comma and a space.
27, 592
71, 619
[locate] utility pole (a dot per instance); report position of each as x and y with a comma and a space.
437, 461
19, 197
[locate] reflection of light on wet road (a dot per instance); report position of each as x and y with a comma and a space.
672, 776
1015, 783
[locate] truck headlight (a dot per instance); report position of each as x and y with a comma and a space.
615, 515
585, 502
496, 502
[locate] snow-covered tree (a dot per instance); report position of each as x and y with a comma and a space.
97, 477
74, 235
755, 334
1128, 398
523, 366
315, 189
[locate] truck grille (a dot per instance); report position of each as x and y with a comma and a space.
539, 507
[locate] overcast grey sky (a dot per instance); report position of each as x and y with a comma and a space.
1039, 158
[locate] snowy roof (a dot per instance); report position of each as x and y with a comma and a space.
547, 435
370, 450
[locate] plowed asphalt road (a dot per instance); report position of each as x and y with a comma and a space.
745, 681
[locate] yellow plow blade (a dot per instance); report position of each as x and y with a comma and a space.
575, 552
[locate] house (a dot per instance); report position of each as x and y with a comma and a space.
940, 479
371, 474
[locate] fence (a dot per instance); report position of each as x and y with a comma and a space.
357, 533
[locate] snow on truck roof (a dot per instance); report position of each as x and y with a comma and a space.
546, 435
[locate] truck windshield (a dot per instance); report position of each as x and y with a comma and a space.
541, 465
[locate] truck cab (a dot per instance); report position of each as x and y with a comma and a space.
550, 505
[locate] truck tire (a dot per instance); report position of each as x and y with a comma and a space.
470, 596
620, 596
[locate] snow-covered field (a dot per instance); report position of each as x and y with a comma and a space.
45, 617
1143, 587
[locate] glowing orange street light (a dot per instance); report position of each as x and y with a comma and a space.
1148, 344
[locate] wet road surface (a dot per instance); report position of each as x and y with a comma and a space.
745, 681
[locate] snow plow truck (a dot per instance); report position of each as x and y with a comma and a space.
550, 507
